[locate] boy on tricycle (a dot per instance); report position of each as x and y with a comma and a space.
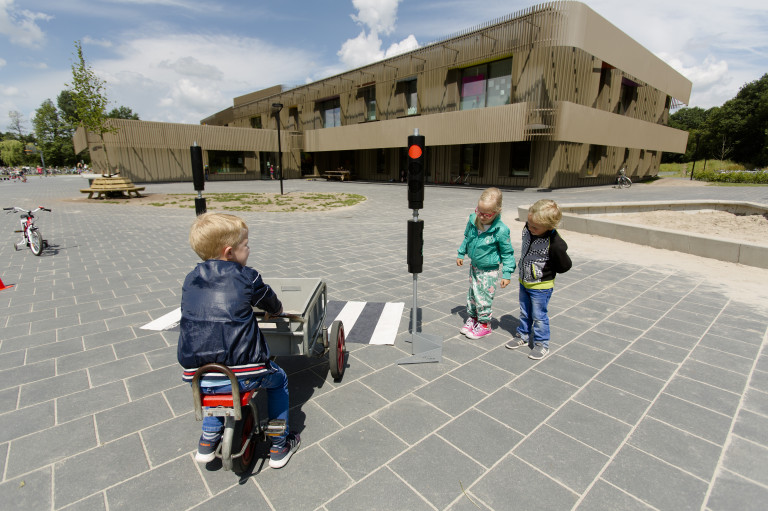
218, 325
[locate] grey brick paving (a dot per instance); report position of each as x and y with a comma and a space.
655, 394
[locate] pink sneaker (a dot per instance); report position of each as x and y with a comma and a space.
480, 330
468, 326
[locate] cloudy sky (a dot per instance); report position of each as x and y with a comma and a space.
182, 60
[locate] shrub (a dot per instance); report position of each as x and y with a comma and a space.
728, 176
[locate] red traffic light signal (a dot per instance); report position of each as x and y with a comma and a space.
415, 152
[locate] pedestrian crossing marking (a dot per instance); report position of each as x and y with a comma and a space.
364, 322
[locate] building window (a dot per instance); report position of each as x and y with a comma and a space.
470, 161
330, 112
411, 98
256, 122
596, 155
520, 159
293, 118
369, 95
628, 95
486, 85
226, 162
381, 161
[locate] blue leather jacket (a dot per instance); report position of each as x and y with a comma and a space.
217, 319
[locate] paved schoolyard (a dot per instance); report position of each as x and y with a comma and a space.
655, 394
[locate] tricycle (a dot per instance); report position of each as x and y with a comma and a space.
300, 330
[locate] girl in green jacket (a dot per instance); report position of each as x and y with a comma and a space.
486, 241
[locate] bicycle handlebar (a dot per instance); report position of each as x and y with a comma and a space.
16, 208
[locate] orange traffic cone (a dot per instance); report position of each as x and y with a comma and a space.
3, 286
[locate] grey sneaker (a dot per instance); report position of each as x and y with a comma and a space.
279, 457
538, 352
516, 342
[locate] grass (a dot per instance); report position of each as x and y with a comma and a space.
245, 202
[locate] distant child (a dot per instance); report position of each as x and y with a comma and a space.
218, 325
544, 254
486, 241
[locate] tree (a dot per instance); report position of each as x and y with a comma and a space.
89, 95
53, 135
18, 125
123, 112
12, 152
67, 107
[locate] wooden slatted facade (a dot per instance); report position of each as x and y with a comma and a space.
580, 99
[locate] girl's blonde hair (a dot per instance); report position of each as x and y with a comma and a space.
546, 213
211, 233
490, 198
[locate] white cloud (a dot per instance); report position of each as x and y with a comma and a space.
379, 17
104, 43
406, 45
9, 91
20, 25
2, 62
181, 78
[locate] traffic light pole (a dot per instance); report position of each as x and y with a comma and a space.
424, 347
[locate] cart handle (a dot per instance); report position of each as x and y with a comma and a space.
287, 315
215, 368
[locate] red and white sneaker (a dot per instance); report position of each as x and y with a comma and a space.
480, 330
468, 326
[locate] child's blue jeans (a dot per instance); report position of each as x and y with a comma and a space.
276, 384
534, 321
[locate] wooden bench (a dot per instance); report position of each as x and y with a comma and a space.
112, 185
341, 175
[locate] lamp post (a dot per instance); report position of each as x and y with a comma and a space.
276, 107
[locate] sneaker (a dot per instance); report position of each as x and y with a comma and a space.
480, 330
516, 342
468, 326
206, 449
538, 352
278, 457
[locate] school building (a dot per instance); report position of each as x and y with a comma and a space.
553, 96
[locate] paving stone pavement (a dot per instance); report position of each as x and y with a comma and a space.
655, 394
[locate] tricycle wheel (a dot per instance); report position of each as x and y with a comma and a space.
243, 431
336, 350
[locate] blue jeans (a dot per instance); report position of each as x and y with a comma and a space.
534, 321
276, 384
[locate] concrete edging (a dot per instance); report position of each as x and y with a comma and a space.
584, 218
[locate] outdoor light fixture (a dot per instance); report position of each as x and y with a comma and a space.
276, 107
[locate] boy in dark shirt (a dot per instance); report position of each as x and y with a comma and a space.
218, 325
544, 255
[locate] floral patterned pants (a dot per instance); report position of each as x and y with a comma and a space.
482, 288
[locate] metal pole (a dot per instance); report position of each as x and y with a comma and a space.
279, 154
277, 107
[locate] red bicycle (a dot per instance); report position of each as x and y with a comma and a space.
30, 234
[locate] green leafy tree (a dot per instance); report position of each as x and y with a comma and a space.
123, 112
12, 152
89, 95
53, 135
67, 108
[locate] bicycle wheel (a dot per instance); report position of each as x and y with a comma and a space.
336, 341
624, 182
243, 431
35, 242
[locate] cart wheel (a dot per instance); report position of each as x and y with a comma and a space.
243, 430
336, 350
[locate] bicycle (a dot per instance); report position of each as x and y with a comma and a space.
623, 181
30, 234
463, 179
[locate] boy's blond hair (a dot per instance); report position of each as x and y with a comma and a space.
546, 213
491, 198
211, 233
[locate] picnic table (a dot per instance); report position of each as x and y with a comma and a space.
111, 186
341, 175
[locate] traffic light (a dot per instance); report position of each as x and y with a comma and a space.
416, 171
